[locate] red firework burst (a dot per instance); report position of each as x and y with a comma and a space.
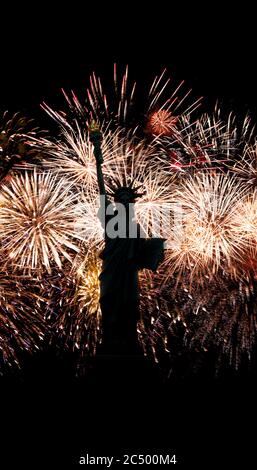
162, 122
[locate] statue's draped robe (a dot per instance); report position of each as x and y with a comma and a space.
119, 289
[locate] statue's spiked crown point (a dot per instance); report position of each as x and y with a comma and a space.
120, 190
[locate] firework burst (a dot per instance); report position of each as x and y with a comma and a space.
162, 123
155, 318
89, 224
72, 156
74, 308
223, 316
22, 325
210, 134
38, 224
246, 166
208, 143
205, 237
126, 109
218, 315
245, 228
16, 148
154, 210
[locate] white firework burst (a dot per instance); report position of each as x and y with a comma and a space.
205, 240
39, 221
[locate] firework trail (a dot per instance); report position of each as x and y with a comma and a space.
210, 143
154, 112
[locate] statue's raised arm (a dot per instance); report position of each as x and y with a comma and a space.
95, 137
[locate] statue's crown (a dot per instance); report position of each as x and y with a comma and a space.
120, 190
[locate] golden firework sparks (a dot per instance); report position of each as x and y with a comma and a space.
22, 324
205, 239
38, 222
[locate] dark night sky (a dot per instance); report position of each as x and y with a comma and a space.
213, 50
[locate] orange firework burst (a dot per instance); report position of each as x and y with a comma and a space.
162, 122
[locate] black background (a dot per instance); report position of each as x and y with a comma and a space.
48, 416
46, 49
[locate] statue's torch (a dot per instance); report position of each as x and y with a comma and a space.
95, 137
